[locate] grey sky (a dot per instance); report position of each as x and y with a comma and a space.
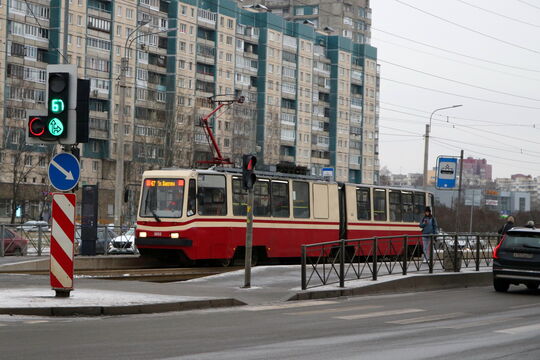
502, 134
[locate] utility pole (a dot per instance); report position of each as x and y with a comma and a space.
119, 183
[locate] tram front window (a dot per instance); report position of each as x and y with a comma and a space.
162, 198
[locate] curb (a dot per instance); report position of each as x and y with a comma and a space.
122, 309
408, 284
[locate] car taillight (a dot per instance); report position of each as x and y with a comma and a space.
496, 250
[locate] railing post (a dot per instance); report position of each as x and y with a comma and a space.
2, 229
342, 264
374, 270
39, 240
405, 255
455, 252
477, 252
430, 264
304, 285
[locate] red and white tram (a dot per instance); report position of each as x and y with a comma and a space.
201, 214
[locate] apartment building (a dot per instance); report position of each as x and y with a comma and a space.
305, 90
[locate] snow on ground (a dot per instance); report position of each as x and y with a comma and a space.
43, 297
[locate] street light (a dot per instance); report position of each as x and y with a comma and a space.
426, 138
124, 64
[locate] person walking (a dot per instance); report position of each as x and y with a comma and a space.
429, 227
509, 224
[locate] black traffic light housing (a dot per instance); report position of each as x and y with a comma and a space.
58, 104
248, 171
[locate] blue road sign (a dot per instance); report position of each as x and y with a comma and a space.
64, 171
446, 172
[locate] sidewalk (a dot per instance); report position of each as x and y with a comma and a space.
32, 295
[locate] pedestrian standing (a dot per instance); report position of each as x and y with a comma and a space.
509, 224
429, 227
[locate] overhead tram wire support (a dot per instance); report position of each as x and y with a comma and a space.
218, 158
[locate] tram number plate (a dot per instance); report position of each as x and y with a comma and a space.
523, 255
157, 233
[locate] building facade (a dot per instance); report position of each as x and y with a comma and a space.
310, 97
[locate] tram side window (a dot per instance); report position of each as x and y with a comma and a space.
239, 197
261, 206
211, 195
192, 198
407, 206
379, 205
301, 199
363, 204
395, 206
280, 199
419, 205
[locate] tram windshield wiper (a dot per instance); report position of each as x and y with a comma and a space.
155, 215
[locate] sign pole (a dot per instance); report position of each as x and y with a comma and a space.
459, 190
249, 238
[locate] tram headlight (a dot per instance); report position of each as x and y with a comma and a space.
143, 234
175, 235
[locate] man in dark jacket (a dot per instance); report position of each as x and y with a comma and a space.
509, 224
429, 227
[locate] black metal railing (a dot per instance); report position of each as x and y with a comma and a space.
34, 240
343, 260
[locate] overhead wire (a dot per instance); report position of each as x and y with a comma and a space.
455, 52
459, 95
469, 29
457, 61
498, 14
529, 4
458, 82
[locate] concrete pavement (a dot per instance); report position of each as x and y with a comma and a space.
31, 294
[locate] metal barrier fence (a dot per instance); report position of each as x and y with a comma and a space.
25, 240
342, 260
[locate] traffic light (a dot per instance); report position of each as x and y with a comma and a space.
61, 123
248, 171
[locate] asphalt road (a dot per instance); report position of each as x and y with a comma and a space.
472, 323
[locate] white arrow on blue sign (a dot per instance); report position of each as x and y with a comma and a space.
64, 171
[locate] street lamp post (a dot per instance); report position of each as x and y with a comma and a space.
426, 143
124, 64
119, 183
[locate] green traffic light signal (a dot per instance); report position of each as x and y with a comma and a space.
56, 127
57, 106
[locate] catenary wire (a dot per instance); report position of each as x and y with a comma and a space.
469, 29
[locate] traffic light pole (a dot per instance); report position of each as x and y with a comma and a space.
119, 183
249, 238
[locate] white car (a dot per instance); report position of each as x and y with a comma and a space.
34, 225
124, 244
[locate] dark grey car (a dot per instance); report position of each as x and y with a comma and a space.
104, 237
516, 260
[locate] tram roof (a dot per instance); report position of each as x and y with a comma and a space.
274, 175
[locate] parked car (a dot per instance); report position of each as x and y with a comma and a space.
447, 241
104, 237
516, 260
34, 225
124, 244
14, 243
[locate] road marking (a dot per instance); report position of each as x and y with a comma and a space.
31, 322
333, 310
523, 306
295, 304
519, 329
379, 314
422, 319
475, 324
